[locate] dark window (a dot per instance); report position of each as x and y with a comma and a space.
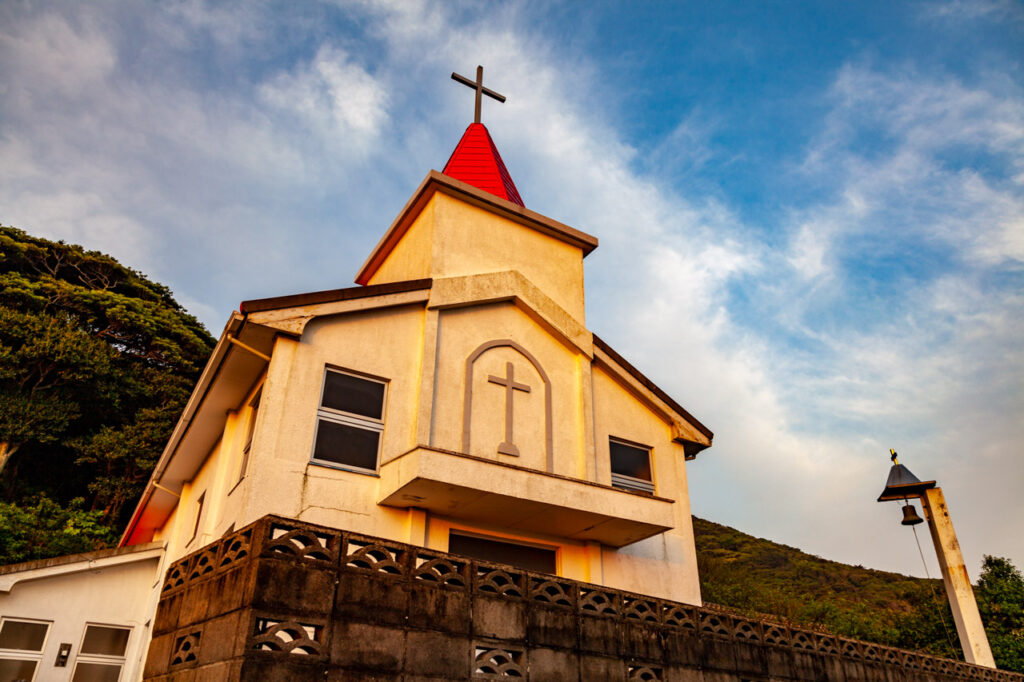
21, 643
344, 444
105, 641
500, 552
26, 636
352, 394
631, 467
199, 516
97, 672
250, 430
13, 669
349, 421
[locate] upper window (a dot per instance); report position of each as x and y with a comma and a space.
101, 655
21, 648
350, 421
631, 466
250, 430
199, 517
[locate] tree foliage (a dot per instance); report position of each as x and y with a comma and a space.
96, 362
1000, 594
40, 528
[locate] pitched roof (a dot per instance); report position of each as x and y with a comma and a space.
476, 162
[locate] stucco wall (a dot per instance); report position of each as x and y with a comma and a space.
121, 595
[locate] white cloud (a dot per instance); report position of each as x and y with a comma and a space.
333, 96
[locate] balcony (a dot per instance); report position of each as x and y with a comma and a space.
484, 491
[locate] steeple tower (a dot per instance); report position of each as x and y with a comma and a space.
476, 160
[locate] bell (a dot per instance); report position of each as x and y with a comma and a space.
910, 517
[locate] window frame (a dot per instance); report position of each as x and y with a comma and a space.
102, 659
350, 419
250, 431
34, 655
200, 503
625, 481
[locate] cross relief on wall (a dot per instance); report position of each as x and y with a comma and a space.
508, 446
502, 417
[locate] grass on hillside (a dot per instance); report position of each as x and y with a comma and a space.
760, 577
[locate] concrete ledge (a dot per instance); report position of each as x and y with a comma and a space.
487, 491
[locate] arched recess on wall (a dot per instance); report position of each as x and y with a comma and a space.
467, 403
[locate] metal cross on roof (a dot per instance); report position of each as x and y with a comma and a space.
478, 85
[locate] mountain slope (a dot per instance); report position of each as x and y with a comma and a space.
757, 576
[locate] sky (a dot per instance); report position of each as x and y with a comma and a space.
811, 214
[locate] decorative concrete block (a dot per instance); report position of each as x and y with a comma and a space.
159, 655
718, 655
605, 668
271, 668
370, 598
378, 649
168, 611
294, 587
437, 607
224, 637
554, 665
552, 626
600, 635
437, 654
682, 648
222, 671
751, 659
641, 640
499, 617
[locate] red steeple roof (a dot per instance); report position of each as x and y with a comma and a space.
476, 162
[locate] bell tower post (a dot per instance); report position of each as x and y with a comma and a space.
954, 576
904, 486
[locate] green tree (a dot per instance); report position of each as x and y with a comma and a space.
1000, 594
96, 363
41, 528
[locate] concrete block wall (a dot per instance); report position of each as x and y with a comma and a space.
285, 600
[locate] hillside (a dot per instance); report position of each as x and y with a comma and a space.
758, 576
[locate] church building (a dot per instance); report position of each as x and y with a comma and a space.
453, 400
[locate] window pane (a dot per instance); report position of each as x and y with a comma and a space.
96, 672
16, 634
630, 461
351, 394
15, 671
343, 444
520, 556
105, 641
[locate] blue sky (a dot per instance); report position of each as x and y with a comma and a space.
811, 214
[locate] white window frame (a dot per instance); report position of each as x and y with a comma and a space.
200, 503
350, 419
250, 431
632, 483
27, 654
101, 658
